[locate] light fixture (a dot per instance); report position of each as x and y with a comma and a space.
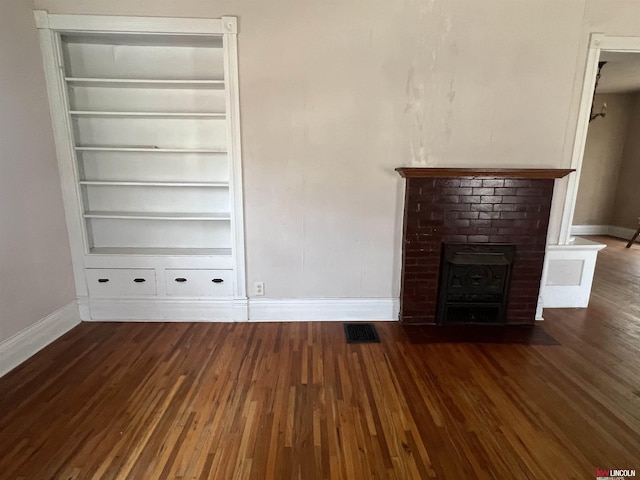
603, 110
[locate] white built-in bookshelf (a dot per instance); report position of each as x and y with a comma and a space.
147, 131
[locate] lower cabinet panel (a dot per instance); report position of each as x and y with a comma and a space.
116, 282
199, 283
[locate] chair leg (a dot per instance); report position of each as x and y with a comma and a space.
633, 239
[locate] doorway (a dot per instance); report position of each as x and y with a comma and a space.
620, 76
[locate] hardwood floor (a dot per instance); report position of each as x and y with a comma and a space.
293, 400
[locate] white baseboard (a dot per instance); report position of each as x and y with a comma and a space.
28, 342
590, 229
167, 310
621, 232
613, 230
83, 307
318, 309
257, 310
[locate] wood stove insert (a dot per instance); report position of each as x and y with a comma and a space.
474, 283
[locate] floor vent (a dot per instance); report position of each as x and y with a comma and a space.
361, 333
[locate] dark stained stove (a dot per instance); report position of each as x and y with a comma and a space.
474, 283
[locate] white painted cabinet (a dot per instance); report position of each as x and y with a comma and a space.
199, 283
145, 115
117, 282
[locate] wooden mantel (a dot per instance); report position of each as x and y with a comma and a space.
427, 172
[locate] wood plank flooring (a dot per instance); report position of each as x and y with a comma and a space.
294, 401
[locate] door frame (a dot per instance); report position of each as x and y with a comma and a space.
598, 42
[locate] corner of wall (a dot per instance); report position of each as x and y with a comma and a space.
35, 337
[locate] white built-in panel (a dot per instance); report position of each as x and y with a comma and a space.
157, 199
147, 133
153, 234
137, 98
199, 283
143, 57
115, 282
170, 255
565, 272
568, 274
123, 131
150, 166
143, 83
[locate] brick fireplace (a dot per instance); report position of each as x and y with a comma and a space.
474, 207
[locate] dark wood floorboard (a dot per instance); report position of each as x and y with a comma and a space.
294, 401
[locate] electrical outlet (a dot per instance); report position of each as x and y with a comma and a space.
258, 289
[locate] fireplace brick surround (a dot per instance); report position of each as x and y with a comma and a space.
449, 205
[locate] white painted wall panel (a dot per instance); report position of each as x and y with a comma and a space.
568, 274
565, 272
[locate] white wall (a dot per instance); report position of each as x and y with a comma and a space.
35, 266
335, 94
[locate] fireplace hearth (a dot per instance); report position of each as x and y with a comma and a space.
474, 283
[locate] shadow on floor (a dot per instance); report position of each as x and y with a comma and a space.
518, 334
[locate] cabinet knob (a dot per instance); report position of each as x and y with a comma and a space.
181, 280
217, 280
139, 280
103, 280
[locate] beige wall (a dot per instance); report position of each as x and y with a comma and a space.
602, 159
608, 193
35, 265
626, 209
335, 94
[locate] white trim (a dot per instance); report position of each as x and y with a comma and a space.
112, 23
539, 310
62, 133
613, 230
621, 232
241, 309
34, 338
588, 86
597, 43
163, 310
229, 24
589, 229
42, 18
616, 44
83, 307
238, 310
318, 309
234, 149
581, 244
